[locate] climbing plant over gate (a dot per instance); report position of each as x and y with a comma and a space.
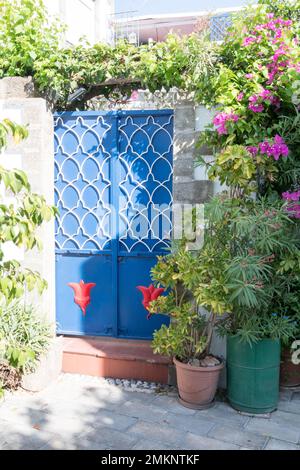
30, 45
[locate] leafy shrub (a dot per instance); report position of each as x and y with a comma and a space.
255, 133
252, 242
189, 334
256, 140
19, 222
30, 45
25, 36
243, 273
24, 335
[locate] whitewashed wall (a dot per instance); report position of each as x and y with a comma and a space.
203, 117
89, 18
34, 155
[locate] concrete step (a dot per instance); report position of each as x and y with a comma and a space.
116, 358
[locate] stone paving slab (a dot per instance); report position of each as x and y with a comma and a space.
200, 425
223, 413
239, 437
271, 428
195, 442
275, 444
83, 413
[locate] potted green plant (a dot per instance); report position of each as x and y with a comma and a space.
188, 337
266, 310
257, 239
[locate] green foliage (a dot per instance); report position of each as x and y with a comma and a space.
186, 63
30, 45
18, 223
251, 225
24, 335
243, 271
234, 167
25, 36
259, 326
244, 73
247, 272
289, 10
189, 334
6, 127
260, 283
184, 338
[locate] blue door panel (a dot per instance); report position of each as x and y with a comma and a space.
113, 188
135, 271
98, 319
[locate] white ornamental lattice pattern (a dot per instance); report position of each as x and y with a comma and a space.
146, 170
113, 166
83, 183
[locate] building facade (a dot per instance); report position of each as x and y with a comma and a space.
84, 18
142, 29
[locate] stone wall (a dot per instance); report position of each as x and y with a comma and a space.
35, 156
191, 185
187, 189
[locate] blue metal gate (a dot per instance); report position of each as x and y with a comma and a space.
113, 189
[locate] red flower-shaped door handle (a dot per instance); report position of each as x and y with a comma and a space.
82, 294
149, 293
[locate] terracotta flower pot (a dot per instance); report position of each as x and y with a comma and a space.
197, 386
289, 372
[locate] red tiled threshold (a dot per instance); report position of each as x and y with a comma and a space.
116, 358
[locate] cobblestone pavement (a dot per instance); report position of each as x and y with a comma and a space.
80, 412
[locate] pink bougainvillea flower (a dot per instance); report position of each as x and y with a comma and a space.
221, 119
275, 149
253, 150
296, 67
82, 294
265, 148
149, 294
254, 105
134, 95
291, 196
282, 50
240, 96
266, 94
248, 40
279, 148
256, 108
294, 208
253, 99
278, 34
